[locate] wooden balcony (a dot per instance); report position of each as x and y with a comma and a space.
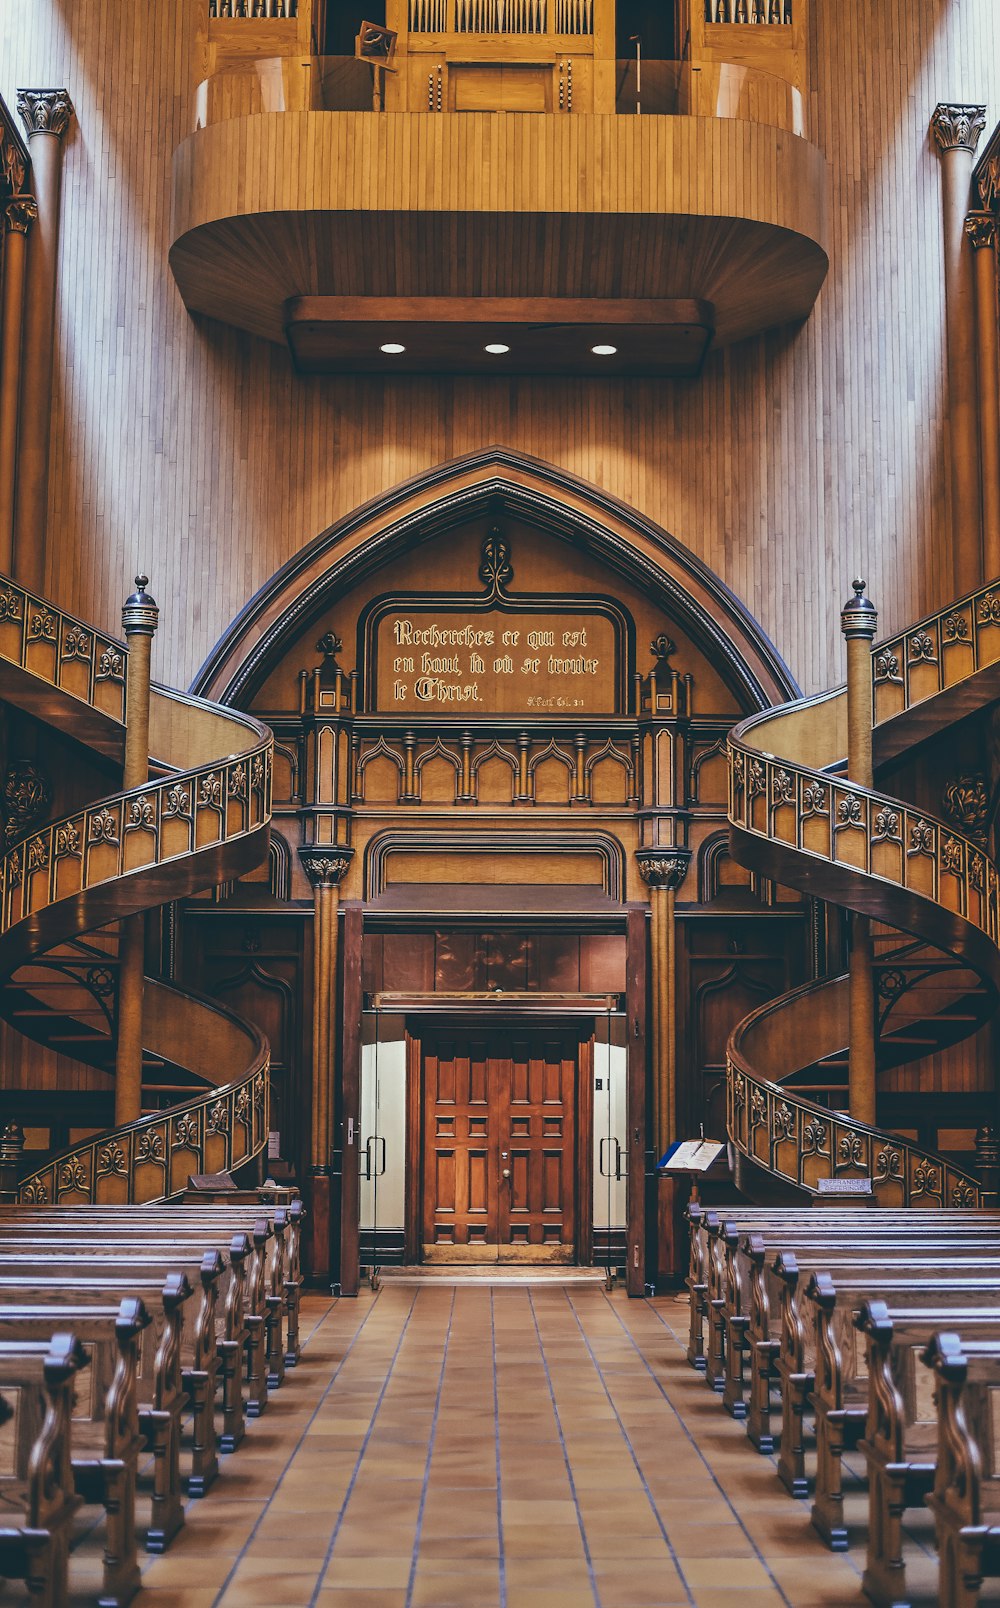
341, 231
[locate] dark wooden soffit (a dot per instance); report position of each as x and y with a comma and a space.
497, 480
482, 203
544, 335
489, 901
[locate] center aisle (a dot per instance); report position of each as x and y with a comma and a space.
527, 1447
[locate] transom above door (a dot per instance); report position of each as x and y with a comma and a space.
500, 1138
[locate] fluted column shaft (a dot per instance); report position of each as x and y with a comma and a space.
981, 228
324, 866
139, 618
859, 622
663, 870
46, 114
956, 129
19, 214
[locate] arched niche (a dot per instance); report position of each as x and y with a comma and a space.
499, 482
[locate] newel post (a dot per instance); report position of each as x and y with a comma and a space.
11, 1152
140, 617
859, 621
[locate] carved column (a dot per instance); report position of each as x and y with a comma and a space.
19, 214
663, 870
956, 129
45, 114
858, 622
140, 617
981, 228
324, 865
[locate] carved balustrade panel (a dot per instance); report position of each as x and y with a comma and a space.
941, 651
804, 1144
215, 1131
598, 767
865, 831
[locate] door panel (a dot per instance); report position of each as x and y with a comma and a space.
459, 1158
537, 1212
499, 1145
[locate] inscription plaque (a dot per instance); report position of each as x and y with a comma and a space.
501, 662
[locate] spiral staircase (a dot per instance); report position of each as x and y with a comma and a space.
203, 818
931, 892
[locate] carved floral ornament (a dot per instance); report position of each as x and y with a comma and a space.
325, 867
981, 228
13, 168
957, 126
965, 803
663, 868
21, 212
44, 111
496, 570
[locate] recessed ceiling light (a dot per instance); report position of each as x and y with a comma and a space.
393, 348
604, 351
497, 348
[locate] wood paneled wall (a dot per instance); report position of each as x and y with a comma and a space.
796, 460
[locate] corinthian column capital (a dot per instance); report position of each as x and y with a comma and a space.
44, 111
957, 126
663, 868
325, 864
20, 213
981, 228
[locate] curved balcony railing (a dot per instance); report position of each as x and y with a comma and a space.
202, 819
651, 88
795, 820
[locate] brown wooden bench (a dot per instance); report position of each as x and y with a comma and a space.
965, 1499
794, 1357
222, 1308
900, 1439
839, 1399
107, 1440
729, 1274
41, 1485
775, 1221
199, 1358
282, 1279
162, 1396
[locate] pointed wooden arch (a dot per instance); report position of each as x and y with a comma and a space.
497, 480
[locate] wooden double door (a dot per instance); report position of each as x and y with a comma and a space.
505, 1144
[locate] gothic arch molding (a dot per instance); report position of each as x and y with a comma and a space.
497, 480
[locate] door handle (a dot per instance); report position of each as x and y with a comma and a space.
506, 1172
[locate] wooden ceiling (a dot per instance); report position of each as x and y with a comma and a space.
445, 208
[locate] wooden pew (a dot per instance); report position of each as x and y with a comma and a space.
283, 1276
199, 1359
728, 1277
841, 1408
965, 1499
792, 1355
776, 1220
162, 1397
262, 1303
900, 1439
106, 1445
287, 1222
36, 1549
223, 1359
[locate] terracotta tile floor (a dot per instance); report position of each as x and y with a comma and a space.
500, 1447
